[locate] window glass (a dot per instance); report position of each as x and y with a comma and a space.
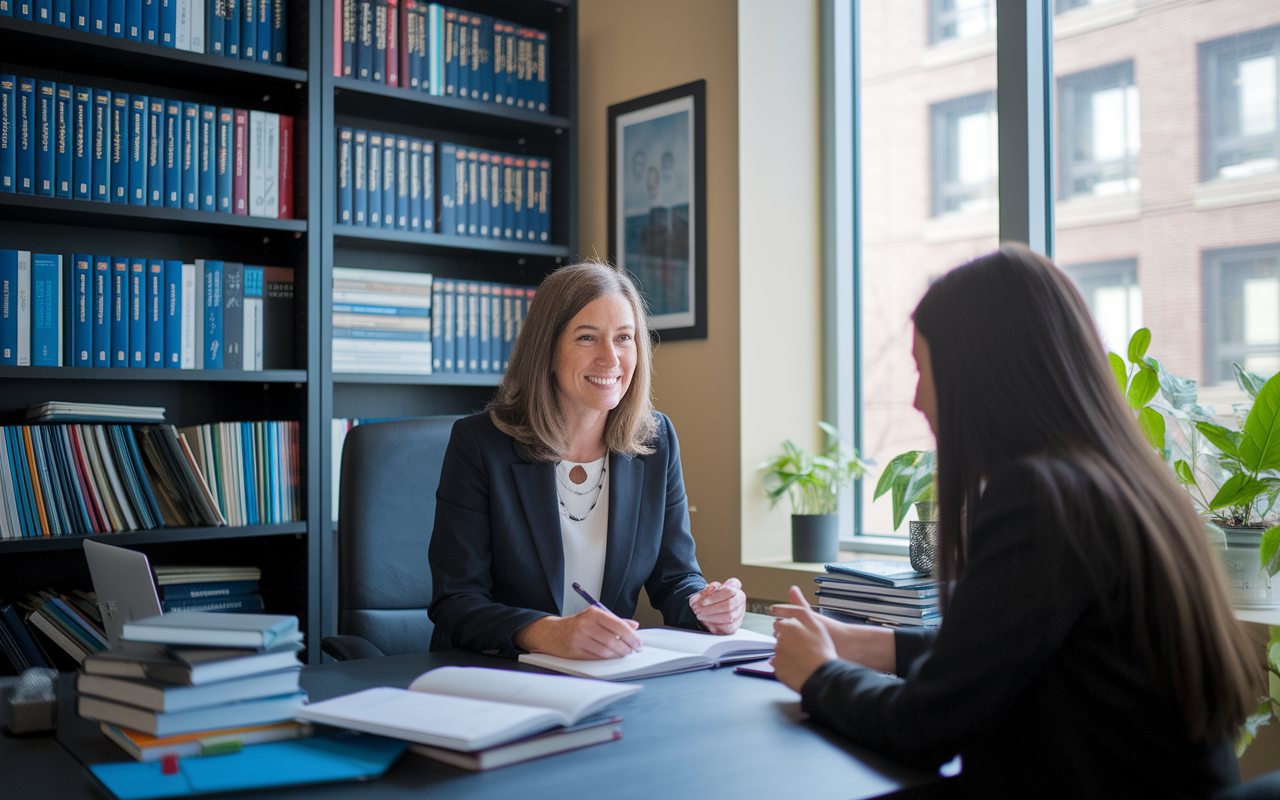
1099, 132
964, 153
961, 19
1114, 298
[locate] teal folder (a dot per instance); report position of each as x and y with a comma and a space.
345, 756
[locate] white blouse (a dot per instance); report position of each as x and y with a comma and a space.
584, 530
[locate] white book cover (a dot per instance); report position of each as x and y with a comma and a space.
271, 166
117, 488
24, 308
666, 651
199, 315
379, 346
366, 298
257, 163
197, 26
182, 33
382, 276
253, 334
187, 357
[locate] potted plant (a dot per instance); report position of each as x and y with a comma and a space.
812, 481
910, 479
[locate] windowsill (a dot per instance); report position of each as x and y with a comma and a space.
1229, 192
955, 51
958, 227
1262, 616
815, 568
1092, 17
1084, 210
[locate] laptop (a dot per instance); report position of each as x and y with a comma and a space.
123, 583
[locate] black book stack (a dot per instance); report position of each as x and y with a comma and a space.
879, 592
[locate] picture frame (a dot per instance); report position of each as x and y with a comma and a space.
658, 205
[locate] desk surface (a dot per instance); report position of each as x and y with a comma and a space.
710, 733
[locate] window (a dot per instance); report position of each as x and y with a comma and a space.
960, 19
964, 154
1111, 290
1242, 294
1098, 132
1061, 6
1239, 79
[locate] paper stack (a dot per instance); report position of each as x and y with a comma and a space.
881, 592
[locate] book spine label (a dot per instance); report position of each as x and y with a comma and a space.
483, 310
115, 18
61, 13
26, 136
437, 328
364, 39
483, 176
139, 142
101, 311
137, 312
190, 156
248, 30
448, 188
262, 17
460, 341
119, 312
155, 152
231, 29
544, 201
8, 143
253, 332
172, 154
207, 159
279, 33
270, 159
182, 25
173, 314
347, 63
156, 313
450, 33
402, 183
531, 200
415, 185
197, 17
46, 310
82, 143
189, 318
232, 315
213, 302
8, 307
119, 148
345, 176
97, 15
240, 162
388, 180
46, 163
367, 193
428, 187
24, 308
223, 165
64, 129
378, 67
473, 193
150, 21
216, 26
133, 20
168, 23
391, 13
80, 15
256, 162
462, 86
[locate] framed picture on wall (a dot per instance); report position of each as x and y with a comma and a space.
658, 204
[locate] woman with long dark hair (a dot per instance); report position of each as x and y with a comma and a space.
1088, 646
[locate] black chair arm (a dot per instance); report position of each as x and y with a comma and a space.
350, 648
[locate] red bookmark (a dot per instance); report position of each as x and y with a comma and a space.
169, 764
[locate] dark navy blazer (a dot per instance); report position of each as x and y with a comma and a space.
497, 560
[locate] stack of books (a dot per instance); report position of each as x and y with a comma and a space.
880, 592
381, 321
251, 469
192, 682
208, 588
55, 411
70, 621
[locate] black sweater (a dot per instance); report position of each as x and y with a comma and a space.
1033, 678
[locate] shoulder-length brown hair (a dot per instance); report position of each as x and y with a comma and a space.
1021, 376
527, 404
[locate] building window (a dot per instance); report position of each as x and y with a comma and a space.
1242, 310
1062, 6
964, 155
960, 19
1111, 290
1099, 135
1239, 80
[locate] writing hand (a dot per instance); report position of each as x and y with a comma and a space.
720, 607
804, 643
594, 633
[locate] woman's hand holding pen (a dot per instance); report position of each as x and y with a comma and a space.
720, 607
590, 634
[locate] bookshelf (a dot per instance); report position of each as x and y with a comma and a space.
299, 559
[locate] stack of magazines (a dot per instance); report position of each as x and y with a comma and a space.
880, 592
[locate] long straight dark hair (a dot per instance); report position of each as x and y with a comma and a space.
1021, 375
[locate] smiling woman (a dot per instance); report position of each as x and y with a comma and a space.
569, 477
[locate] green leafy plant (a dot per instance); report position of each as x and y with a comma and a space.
909, 477
812, 481
1269, 705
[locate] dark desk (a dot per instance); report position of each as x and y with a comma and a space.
707, 734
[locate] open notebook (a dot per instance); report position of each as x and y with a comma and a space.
468, 708
666, 652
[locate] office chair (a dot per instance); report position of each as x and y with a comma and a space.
386, 509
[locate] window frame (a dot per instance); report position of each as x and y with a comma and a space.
1213, 262
1211, 55
943, 144
1072, 89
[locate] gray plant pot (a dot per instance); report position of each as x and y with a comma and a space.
1250, 586
815, 538
922, 546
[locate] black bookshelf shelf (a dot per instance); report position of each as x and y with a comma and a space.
60, 210
376, 237
369, 99
141, 374
51, 47
442, 379
157, 536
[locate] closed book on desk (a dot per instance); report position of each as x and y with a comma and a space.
145, 747
157, 723
187, 666
212, 629
561, 740
885, 573
168, 699
666, 652
469, 708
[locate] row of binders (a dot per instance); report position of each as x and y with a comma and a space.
443, 51
494, 195
81, 479
252, 30
60, 140
116, 311
479, 323
879, 592
386, 181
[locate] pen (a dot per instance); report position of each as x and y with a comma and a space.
585, 595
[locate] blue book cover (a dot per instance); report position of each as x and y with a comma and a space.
373, 184
483, 310
212, 314
262, 16
61, 13
248, 30
209, 590
119, 147
459, 327
101, 152
364, 39
46, 310
388, 180
44, 11
26, 136
518, 200
137, 312
81, 311
231, 29
190, 156
155, 312
437, 329
64, 130
509, 173
544, 201
346, 176
207, 157
250, 474
488, 162
168, 23
100, 311
473, 193
361, 166
98, 16
402, 183
428, 187
8, 142
172, 154
150, 21
22, 9
173, 314
378, 69
80, 15
222, 161
447, 309
531, 200
115, 18
461, 57
46, 124
82, 144
448, 188
474, 324
487, 57
133, 20
9, 307
155, 152
415, 185
215, 26
119, 311
279, 33
139, 145
68, 312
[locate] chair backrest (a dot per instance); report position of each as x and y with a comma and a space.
386, 510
